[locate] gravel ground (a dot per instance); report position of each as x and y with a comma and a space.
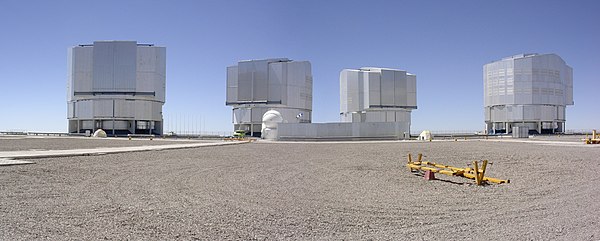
306, 191
26, 143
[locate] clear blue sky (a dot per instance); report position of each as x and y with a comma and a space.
445, 43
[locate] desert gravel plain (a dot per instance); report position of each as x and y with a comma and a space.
306, 191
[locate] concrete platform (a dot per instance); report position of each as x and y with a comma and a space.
10, 162
32, 154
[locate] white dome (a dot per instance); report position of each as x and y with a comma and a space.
100, 133
271, 118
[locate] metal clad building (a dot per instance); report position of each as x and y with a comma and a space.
377, 95
118, 86
256, 86
527, 90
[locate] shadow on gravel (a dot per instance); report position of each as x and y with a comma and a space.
442, 180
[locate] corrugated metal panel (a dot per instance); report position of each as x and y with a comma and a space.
561, 112
344, 94
260, 81
390, 116
520, 132
361, 93
403, 116
71, 110
299, 82
84, 109
253, 81
147, 77
308, 85
375, 116
124, 108
103, 64
241, 115
400, 88
296, 80
257, 114
87, 124
277, 74
103, 108
118, 125
374, 89
569, 85
147, 59
232, 84
245, 81
82, 68
411, 88
70, 79
125, 65
114, 65
150, 71
143, 110
157, 111
353, 95
147, 82
548, 112
387, 88
161, 73
366, 90
499, 113
343, 130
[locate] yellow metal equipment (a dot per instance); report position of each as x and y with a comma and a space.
476, 173
594, 140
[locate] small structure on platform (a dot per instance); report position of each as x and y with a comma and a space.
477, 172
520, 132
425, 136
99, 133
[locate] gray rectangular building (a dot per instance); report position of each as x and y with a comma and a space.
529, 91
256, 86
377, 95
118, 86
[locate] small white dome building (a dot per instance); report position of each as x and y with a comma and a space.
99, 133
426, 136
270, 120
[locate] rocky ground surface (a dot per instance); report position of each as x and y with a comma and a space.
306, 191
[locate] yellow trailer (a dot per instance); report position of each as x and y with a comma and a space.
477, 172
594, 140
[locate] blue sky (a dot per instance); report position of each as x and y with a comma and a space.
445, 43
